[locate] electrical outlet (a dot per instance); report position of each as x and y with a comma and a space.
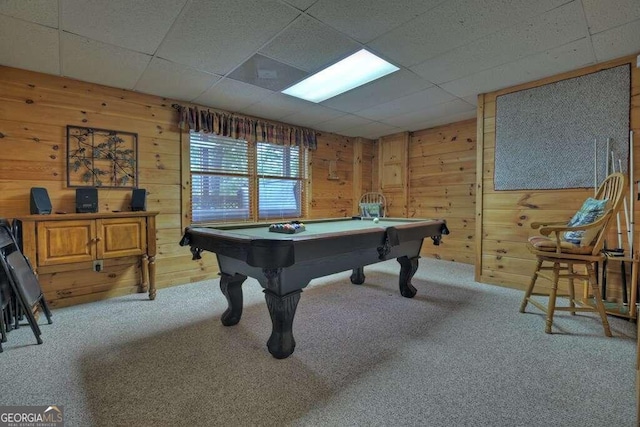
98, 265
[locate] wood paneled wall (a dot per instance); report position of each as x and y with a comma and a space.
442, 176
393, 174
35, 109
431, 173
504, 217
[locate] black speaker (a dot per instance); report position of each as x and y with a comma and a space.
139, 199
40, 203
86, 200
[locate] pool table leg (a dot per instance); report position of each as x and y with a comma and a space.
408, 267
357, 277
231, 287
282, 310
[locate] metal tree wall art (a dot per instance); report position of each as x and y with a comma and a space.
101, 158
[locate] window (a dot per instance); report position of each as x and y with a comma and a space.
233, 180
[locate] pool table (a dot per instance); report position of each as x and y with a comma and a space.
283, 264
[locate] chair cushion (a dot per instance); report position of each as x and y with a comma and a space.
591, 210
370, 209
544, 243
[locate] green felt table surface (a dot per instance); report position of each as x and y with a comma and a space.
313, 227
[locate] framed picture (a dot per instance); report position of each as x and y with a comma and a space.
101, 158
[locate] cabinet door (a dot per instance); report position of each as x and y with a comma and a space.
119, 237
63, 242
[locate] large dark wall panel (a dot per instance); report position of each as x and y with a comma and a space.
546, 136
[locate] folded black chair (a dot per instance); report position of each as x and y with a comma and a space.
23, 281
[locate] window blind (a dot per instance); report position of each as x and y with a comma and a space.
219, 178
279, 186
229, 177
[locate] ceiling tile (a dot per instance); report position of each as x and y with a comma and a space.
551, 29
301, 4
275, 106
407, 104
603, 15
136, 25
416, 118
365, 20
341, 123
617, 42
453, 24
388, 88
267, 73
371, 130
309, 45
443, 120
471, 99
29, 46
101, 63
217, 36
565, 58
44, 12
232, 95
175, 81
310, 114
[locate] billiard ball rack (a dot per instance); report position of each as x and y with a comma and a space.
287, 227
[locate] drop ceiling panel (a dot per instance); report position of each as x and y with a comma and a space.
267, 73
232, 95
275, 106
341, 123
603, 15
552, 29
555, 61
218, 36
301, 4
365, 20
619, 41
44, 12
388, 88
137, 25
169, 80
97, 62
371, 130
310, 45
310, 114
413, 119
29, 46
407, 104
444, 120
453, 24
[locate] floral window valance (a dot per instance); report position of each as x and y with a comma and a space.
240, 127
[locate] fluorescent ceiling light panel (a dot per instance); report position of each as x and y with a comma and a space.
360, 68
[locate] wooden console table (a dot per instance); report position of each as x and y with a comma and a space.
91, 237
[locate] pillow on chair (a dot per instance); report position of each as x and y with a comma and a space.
591, 211
370, 209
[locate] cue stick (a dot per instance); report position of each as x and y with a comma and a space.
607, 161
626, 210
613, 169
595, 166
631, 192
623, 271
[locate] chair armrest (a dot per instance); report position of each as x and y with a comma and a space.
536, 225
545, 231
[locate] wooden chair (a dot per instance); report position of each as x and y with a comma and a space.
373, 204
561, 253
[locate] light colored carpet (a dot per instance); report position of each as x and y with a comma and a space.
458, 354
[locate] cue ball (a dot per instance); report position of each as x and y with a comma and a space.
376, 220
